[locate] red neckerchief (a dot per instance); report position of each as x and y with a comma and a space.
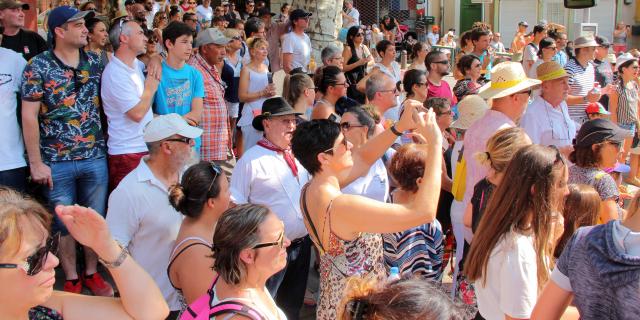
286, 153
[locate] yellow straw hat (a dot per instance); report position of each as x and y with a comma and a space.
550, 70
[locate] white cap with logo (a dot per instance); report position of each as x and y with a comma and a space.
167, 125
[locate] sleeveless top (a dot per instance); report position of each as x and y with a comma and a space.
264, 313
44, 313
354, 76
257, 82
362, 256
172, 258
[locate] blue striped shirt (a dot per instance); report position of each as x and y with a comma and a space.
581, 81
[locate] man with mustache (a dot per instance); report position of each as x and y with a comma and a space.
438, 67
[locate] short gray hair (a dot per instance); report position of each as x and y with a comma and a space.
374, 84
116, 31
328, 53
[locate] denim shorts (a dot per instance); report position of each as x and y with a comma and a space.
83, 182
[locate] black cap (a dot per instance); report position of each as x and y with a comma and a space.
523, 23
298, 14
265, 11
597, 131
273, 107
603, 41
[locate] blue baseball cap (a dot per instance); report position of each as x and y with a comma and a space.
64, 14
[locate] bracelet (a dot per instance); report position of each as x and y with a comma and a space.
395, 131
123, 255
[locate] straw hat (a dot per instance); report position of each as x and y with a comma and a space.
470, 109
507, 78
585, 42
550, 70
623, 58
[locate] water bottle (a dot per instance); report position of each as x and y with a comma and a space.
596, 88
394, 274
403, 59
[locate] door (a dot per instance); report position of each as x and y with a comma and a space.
469, 13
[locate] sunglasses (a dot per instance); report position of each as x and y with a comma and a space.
34, 263
279, 243
445, 62
183, 140
359, 34
528, 92
346, 126
239, 38
217, 171
446, 113
341, 84
344, 143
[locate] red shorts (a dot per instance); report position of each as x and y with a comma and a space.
619, 48
120, 165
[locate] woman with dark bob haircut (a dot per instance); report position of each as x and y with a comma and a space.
346, 228
469, 65
249, 246
201, 196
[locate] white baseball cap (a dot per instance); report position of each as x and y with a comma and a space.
165, 126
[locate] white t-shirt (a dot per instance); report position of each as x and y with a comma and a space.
141, 218
547, 125
353, 13
530, 54
11, 148
374, 185
204, 14
511, 281
300, 47
262, 176
433, 38
121, 90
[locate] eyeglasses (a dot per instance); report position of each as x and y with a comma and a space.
344, 143
445, 113
239, 38
34, 263
183, 140
394, 90
420, 84
345, 84
528, 92
359, 34
443, 62
217, 171
279, 243
346, 126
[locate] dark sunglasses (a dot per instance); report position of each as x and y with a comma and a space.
528, 92
359, 34
183, 140
239, 38
279, 243
346, 126
344, 142
446, 113
34, 263
442, 62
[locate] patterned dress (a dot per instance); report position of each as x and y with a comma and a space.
44, 313
362, 256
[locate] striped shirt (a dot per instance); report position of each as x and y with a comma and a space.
627, 102
581, 81
417, 251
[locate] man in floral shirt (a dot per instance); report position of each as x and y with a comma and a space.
63, 134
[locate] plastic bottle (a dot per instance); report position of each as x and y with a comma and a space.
403, 59
312, 65
596, 88
394, 274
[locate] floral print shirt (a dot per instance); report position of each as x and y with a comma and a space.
69, 116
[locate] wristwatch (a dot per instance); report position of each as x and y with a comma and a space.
123, 255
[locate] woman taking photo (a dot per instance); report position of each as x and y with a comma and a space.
358, 127
418, 55
357, 56
202, 196
596, 148
27, 263
332, 84
346, 228
470, 67
597, 272
511, 250
97, 39
623, 104
249, 247
300, 92
253, 89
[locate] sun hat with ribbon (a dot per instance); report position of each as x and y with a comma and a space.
507, 78
471, 108
550, 70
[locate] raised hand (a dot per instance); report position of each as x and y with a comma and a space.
86, 226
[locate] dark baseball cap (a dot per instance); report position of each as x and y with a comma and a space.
299, 14
603, 41
64, 14
523, 23
13, 4
597, 131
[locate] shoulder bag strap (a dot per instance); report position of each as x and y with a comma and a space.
305, 210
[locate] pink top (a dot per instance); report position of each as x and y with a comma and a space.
441, 91
475, 140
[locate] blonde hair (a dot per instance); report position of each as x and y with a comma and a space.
17, 215
254, 42
501, 147
230, 33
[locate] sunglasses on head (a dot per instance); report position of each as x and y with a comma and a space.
279, 243
217, 171
34, 263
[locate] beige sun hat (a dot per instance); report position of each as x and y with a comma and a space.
470, 109
585, 42
550, 70
507, 78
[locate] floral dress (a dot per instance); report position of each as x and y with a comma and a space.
362, 256
44, 313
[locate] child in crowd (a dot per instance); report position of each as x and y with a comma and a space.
581, 208
595, 110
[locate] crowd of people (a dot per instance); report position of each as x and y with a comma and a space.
202, 158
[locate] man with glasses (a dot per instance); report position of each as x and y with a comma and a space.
296, 45
140, 217
332, 56
63, 134
547, 120
510, 90
248, 11
191, 20
216, 141
561, 56
438, 67
268, 174
381, 92
127, 98
603, 69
